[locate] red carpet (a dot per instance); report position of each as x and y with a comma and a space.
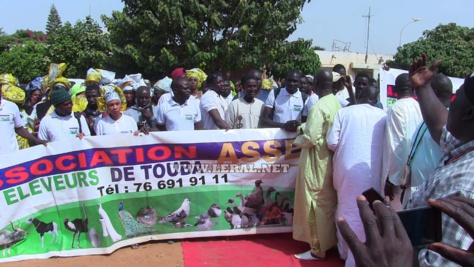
251, 250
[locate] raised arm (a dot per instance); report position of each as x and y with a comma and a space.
434, 112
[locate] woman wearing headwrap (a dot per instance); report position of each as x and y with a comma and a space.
34, 94
162, 90
113, 100
17, 95
196, 77
11, 122
78, 96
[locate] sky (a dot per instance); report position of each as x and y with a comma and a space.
324, 21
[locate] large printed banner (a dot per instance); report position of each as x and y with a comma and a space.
388, 96
95, 195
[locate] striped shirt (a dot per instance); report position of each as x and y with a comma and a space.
453, 176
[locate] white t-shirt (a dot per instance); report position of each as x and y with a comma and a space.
342, 101
249, 113
209, 101
108, 126
165, 98
178, 117
9, 120
311, 101
287, 106
55, 128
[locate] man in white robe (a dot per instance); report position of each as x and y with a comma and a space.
403, 117
356, 137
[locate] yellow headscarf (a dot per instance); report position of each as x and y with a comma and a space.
108, 90
8, 78
79, 101
55, 72
13, 93
198, 74
94, 77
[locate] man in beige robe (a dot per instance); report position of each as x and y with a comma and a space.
315, 197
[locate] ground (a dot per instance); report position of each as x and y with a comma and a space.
147, 254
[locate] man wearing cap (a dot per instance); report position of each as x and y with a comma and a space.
11, 123
62, 124
453, 130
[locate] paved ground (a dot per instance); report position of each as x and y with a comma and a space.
147, 254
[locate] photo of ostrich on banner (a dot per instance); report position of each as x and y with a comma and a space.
388, 96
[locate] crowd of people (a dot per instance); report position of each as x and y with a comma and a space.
416, 150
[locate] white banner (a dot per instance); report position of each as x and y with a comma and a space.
95, 195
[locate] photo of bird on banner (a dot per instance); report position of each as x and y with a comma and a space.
77, 226
204, 222
132, 227
178, 217
9, 238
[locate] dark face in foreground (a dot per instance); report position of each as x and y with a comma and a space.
250, 88
292, 82
183, 90
65, 108
113, 106
92, 96
35, 97
457, 110
143, 97
226, 89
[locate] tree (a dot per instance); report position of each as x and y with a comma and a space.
451, 43
25, 61
19, 37
295, 55
155, 36
81, 46
54, 21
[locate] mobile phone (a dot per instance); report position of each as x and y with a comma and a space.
423, 225
371, 195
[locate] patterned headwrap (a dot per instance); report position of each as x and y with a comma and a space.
8, 78
13, 93
198, 74
94, 77
108, 93
269, 84
55, 72
35, 84
163, 85
62, 80
79, 101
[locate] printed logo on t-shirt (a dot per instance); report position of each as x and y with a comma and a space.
188, 117
124, 132
73, 130
5, 118
297, 108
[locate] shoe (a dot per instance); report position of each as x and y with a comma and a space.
307, 256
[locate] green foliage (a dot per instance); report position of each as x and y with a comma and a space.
19, 37
155, 36
451, 43
81, 46
25, 61
54, 21
295, 55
